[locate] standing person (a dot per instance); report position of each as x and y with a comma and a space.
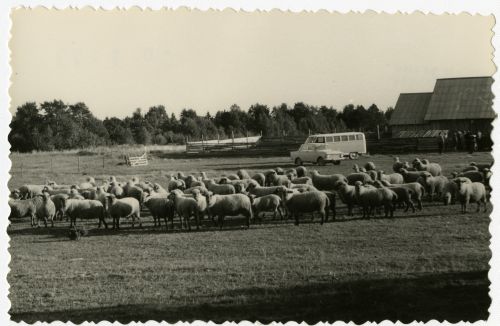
479, 140
440, 142
455, 140
460, 140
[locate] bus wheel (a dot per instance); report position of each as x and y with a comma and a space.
298, 161
336, 162
353, 156
321, 161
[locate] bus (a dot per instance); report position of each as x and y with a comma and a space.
323, 148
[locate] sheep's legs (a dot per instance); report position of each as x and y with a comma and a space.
279, 211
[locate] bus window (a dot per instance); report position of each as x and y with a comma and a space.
310, 140
359, 137
336, 139
329, 139
352, 137
344, 138
320, 140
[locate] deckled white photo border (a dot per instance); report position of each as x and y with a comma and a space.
482, 7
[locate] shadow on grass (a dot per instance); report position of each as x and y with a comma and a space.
448, 296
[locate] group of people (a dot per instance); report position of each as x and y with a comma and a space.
460, 140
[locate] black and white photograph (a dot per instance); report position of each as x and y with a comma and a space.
266, 166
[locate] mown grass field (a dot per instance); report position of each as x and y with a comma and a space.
426, 265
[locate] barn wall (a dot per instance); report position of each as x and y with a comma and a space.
396, 129
484, 125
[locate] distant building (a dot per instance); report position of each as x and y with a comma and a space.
455, 104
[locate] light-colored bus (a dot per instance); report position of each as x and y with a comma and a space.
323, 148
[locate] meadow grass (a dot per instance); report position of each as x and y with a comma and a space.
426, 265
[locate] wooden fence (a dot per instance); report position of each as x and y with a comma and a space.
137, 160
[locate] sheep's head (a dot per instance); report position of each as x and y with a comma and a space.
454, 174
355, 167
473, 164
279, 170
426, 175
224, 180
403, 171
377, 184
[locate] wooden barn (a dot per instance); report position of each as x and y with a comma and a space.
455, 104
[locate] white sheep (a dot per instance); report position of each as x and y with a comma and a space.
470, 192
450, 192
416, 189
371, 198
268, 203
186, 207
370, 166
260, 191
176, 184
123, 207
30, 191
306, 202
23, 208
393, 178
84, 209
220, 189
279, 180
326, 182
433, 184
59, 202
404, 195
432, 168
302, 180
347, 195
230, 205
47, 210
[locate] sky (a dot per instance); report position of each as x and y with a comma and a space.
117, 61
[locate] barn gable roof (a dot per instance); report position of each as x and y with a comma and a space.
410, 109
461, 98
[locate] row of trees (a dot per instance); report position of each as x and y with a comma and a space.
57, 125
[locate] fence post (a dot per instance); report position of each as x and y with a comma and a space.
103, 161
247, 139
202, 145
217, 138
78, 164
378, 132
232, 137
51, 167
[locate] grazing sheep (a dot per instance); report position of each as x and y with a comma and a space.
433, 184
186, 207
370, 166
371, 198
347, 195
59, 202
306, 202
30, 191
260, 178
482, 166
393, 178
268, 203
410, 176
432, 168
54, 186
474, 176
302, 180
398, 165
470, 192
197, 183
201, 201
191, 190
403, 195
450, 192
291, 173
159, 189
301, 171
230, 205
85, 209
364, 178
326, 182
86, 185
417, 190
279, 180
259, 191
123, 207
224, 189
176, 184
243, 174
160, 208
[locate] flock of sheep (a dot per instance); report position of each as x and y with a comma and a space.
287, 193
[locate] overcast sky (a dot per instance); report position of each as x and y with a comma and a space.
117, 61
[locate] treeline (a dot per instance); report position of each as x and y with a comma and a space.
58, 126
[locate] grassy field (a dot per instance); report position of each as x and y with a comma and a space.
431, 264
